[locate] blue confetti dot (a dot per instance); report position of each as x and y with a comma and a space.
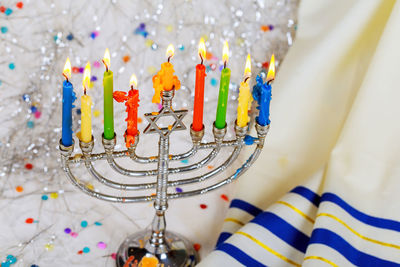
70, 37
93, 79
98, 223
186, 161
5, 264
8, 11
11, 66
34, 265
4, 29
178, 189
181, 47
30, 124
93, 35
78, 111
11, 259
86, 250
142, 26
213, 82
33, 109
26, 97
45, 197
84, 224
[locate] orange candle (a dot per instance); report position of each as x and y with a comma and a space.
165, 78
199, 90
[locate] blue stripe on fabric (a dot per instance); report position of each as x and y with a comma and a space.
358, 258
308, 194
283, 230
243, 205
222, 237
367, 219
239, 255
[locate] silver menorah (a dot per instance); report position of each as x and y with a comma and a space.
166, 248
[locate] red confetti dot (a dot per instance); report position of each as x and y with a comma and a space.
2, 9
29, 220
203, 206
197, 246
80, 252
265, 65
20, 5
126, 58
28, 166
114, 255
224, 197
75, 70
19, 189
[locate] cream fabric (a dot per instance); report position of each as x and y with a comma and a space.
334, 129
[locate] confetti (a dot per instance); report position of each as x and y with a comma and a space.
30, 124
114, 255
70, 37
126, 58
20, 5
4, 29
203, 206
224, 197
45, 197
102, 245
19, 189
54, 195
213, 82
86, 250
96, 113
8, 11
178, 190
84, 224
185, 161
98, 223
49, 247
67, 230
29, 220
28, 166
74, 234
196, 246
11, 66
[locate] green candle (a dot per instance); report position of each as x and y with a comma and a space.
220, 120
108, 99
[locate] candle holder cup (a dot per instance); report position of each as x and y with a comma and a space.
168, 248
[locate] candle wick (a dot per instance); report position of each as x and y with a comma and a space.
245, 80
270, 81
84, 90
224, 64
201, 58
169, 58
65, 76
132, 87
105, 64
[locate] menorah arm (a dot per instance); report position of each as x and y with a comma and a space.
228, 180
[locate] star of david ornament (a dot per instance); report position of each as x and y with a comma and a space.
178, 125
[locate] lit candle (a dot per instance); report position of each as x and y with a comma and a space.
86, 108
108, 98
262, 92
199, 89
244, 96
132, 103
67, 100
220, 120
165, 78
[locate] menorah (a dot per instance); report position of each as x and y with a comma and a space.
165, 247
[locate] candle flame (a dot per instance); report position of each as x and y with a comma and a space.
271, 69
170, 51
247, 68
67, 69
133, 81
86, 76
106, 59
202, 49
225, 53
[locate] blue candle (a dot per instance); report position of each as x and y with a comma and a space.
262, 94
67, 100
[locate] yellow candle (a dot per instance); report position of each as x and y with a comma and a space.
86, 108
244, 96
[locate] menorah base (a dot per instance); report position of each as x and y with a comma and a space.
137, 246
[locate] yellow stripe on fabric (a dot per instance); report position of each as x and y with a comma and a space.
321, 259
296, 210
234, 220
358, 234
261, 244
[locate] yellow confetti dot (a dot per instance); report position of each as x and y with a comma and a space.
151, 69
149, 42
170, 28
54, 195
91, 85
96, 113
49, 247
90, 186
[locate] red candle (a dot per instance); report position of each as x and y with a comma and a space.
132, 103
199, 90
